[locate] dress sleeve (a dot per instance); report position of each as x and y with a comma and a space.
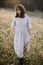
13, 23
29, 25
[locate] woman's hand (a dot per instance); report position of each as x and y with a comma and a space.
10, 36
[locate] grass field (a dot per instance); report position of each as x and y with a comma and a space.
7, 55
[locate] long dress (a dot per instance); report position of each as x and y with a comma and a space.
21, 36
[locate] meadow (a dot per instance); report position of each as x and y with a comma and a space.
7, 54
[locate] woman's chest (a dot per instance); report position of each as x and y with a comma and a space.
21, 22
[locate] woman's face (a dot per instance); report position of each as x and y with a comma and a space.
18, 11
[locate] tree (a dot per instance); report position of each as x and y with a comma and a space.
29, 4
39, 4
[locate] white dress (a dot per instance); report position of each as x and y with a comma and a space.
22, 36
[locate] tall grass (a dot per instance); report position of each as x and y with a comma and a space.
7, 54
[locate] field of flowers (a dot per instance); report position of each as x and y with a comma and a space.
7, 54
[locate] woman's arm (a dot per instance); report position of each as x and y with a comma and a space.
29, 25
10, 35
11, 32
30, 31
13, 24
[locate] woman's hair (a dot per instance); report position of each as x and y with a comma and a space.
22, 9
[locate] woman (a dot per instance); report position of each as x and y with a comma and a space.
22, 25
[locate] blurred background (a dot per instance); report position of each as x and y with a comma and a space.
29, 4
7, 12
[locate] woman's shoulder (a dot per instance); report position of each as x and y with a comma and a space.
27, 16
14, 18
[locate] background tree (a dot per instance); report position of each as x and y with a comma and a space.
39, 4
29, 4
